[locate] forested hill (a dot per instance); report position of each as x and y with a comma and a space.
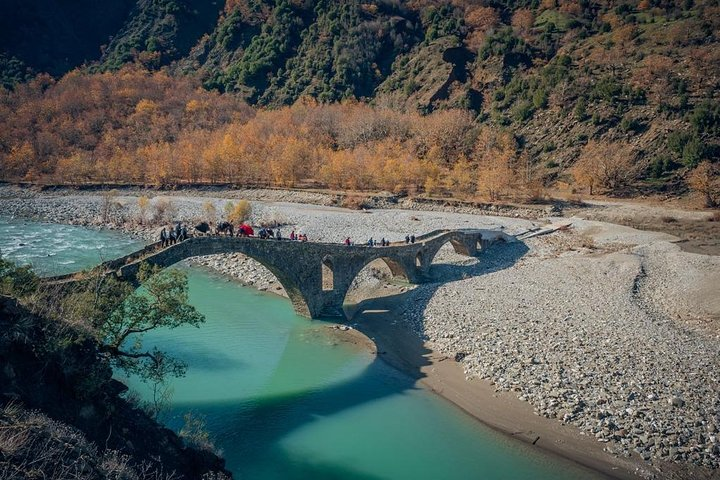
636, 78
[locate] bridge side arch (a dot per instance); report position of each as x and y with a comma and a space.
397, 268
463, 244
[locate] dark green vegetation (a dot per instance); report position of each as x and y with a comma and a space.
558, 74
61, 412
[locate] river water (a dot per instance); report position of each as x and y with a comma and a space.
283, 398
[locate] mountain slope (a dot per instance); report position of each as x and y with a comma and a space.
55, 36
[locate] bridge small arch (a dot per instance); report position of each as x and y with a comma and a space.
419, 260
458, 249
328, 275
386, 266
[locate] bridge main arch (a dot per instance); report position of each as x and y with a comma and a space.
201, 246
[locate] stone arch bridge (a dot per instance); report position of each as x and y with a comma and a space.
316, 276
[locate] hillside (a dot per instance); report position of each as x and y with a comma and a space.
63, 416
632, 83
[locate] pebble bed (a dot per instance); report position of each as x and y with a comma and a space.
579, 337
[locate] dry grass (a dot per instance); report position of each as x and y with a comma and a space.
714, 217
586, 241
668, 219
35, 446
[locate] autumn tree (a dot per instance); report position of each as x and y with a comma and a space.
481, 21
238, 212
143, 204
495, 154
522, 22
461, 179
608, 165
705, 181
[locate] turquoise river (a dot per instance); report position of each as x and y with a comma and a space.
282, 398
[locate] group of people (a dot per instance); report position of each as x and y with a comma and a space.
373, 243
171, 235
300, 237
382, 243
266, 233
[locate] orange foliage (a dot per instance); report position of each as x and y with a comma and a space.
522, 22
495, 153
481, 21
607, 165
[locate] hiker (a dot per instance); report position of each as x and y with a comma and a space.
382, 242
226, 228
184, 232
163, 237
412, 238
278, 235
202, 227
407, 239
173, 236
347, 241
292, 235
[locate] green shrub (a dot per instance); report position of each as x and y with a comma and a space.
540, 99
17, 281
581, 109
630, 125
523, 111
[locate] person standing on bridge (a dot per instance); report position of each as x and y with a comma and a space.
407, 239
163, 237
412, 238
347, 241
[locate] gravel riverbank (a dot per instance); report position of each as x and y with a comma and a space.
604, 327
